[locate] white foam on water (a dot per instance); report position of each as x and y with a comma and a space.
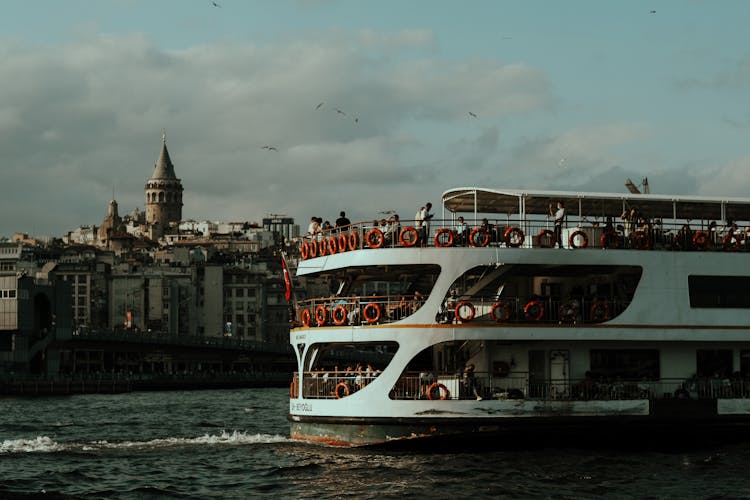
46, 444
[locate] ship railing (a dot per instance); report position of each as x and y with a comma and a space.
530, 232
335, 384
355, 311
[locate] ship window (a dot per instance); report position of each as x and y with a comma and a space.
723, 292
632, 364
713, 362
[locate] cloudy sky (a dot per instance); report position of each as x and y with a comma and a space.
574, 95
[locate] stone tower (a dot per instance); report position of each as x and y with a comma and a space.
163, 194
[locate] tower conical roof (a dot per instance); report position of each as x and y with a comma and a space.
164, 168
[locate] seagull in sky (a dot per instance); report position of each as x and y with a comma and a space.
652, 12
560, 163
215, 4
356, 120
472, 114
340, 112
270, 148
319, 106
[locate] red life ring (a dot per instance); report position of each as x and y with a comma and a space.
313, 249
514, 237
332, 245
339, 315
305, 250
374, 238
321, 315
731, 242
372, 318
354, 240
482, 233
534, 310
343, 242
439, 240
642, 241
599, 311
700, 240
346, 390
322, 247
610, 239
443, 392
408, 237
306, 317
505, 312
545, 239
459, 307
573, 238
293, 389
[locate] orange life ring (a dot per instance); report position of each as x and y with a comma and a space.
305, 250
439, 240
514, 237
483, 233
339, 315
505, 308
313, 249
700, 240
306, 317
641, 240
459, 307
371, 318
610, 239
332, 245
345, 387
354, 240
343, 242
322, 247
293, 389
321, 315
545, 239
374, 238
599, 311
731, 242
533, 310
410, 241
443, 392
573, 238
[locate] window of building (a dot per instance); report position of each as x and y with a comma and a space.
719, 291
630, 364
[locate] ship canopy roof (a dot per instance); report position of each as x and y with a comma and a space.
527, 202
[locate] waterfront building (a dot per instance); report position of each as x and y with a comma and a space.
163, 195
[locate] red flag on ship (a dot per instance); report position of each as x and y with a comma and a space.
287, 278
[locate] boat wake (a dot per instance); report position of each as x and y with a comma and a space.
44, 444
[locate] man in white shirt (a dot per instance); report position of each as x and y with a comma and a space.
422, 222
559, 219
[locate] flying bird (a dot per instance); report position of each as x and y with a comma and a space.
472, 114
340, 112
270, 148
356, 120
652, 12
319, 105
215, 4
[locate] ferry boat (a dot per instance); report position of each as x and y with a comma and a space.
633, 315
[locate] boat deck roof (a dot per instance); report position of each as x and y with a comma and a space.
510, 201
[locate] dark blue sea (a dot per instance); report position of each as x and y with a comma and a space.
234, 444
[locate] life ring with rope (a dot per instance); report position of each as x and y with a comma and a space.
354, 240
293, 389
578, 239
343, 242
408, 237
514, 237
342, 390
461, 306
306, 317
371, 313
375, 238
304, 250
482, 233
322, 247
533, 310
444, 242
313, 249
503, 308
321, 315
442, 393
333, 245
339, 315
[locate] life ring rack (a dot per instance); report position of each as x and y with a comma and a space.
443, 392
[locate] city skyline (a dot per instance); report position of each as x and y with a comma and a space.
310, 107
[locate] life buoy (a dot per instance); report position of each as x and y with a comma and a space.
313, 249
464, 304
514, 237
343, 242
610, 239
479, 237
321, 315
371, 313
322, 247
354, 240
533, 310
731, 242
700, 240
442, 394
408, 237
306, 317
342, 390
439, 237
305, 250
339, 315
504, 310
293, 389
641, 240
374, 238
545, 239
599, 311
333, 245
577, 236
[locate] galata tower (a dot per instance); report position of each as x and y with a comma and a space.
163, 194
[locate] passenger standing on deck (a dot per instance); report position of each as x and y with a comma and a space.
559, 216
422, 222
470, 381
342, 222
